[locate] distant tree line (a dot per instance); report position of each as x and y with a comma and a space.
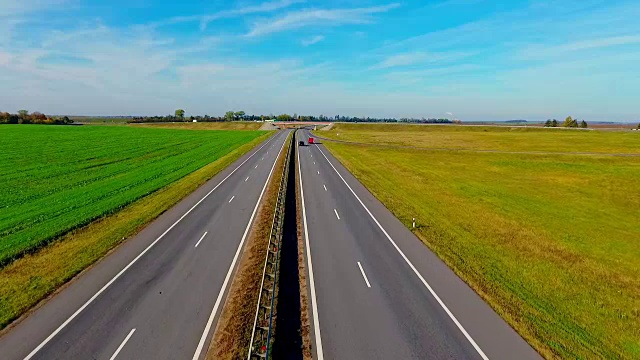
23, 117
569, 122
179, 116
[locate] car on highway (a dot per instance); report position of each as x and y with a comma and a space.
301, 143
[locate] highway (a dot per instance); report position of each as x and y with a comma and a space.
158, 295
376, 291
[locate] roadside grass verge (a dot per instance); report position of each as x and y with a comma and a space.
54, 179
28, 280
549, 241
227, 125
233, 331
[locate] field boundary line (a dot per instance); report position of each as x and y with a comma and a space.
426, 284
207, 328
107, 285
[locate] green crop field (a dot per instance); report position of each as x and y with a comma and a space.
223, 125
550, 240
57, 178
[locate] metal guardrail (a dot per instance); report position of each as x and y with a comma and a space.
260, 345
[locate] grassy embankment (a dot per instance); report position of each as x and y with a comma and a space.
233, 331
548, 240
87, 188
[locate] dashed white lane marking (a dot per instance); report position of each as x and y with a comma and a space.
122, 345
203, 235
318, 172
325, 187
336, 211
233, 197
256, 167
245, 180
364, 275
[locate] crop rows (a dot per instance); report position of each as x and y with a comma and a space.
55, 179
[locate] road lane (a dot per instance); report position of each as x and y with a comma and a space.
398, 317
167, 294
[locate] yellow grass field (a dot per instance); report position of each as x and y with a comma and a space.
544, 230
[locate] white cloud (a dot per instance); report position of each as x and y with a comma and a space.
247, 10
5, 58
313, 40
418, 57
309, 17
604, 42
401, 60
540, 51
19, 7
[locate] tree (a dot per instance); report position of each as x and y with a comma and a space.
38, 117
229, 116
283, 117
23, 113
570, 122
180, 113
638, 126
583, 124
240, 115
547, 123
554, 123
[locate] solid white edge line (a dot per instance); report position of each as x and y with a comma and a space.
207, 328
336, 211
230, 200
122, 345
88, 302
314, 302
203, 235
364, 275
426, 284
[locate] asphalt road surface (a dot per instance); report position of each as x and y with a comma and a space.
376, 291
158, 295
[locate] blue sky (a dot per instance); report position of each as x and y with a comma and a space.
480, 60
